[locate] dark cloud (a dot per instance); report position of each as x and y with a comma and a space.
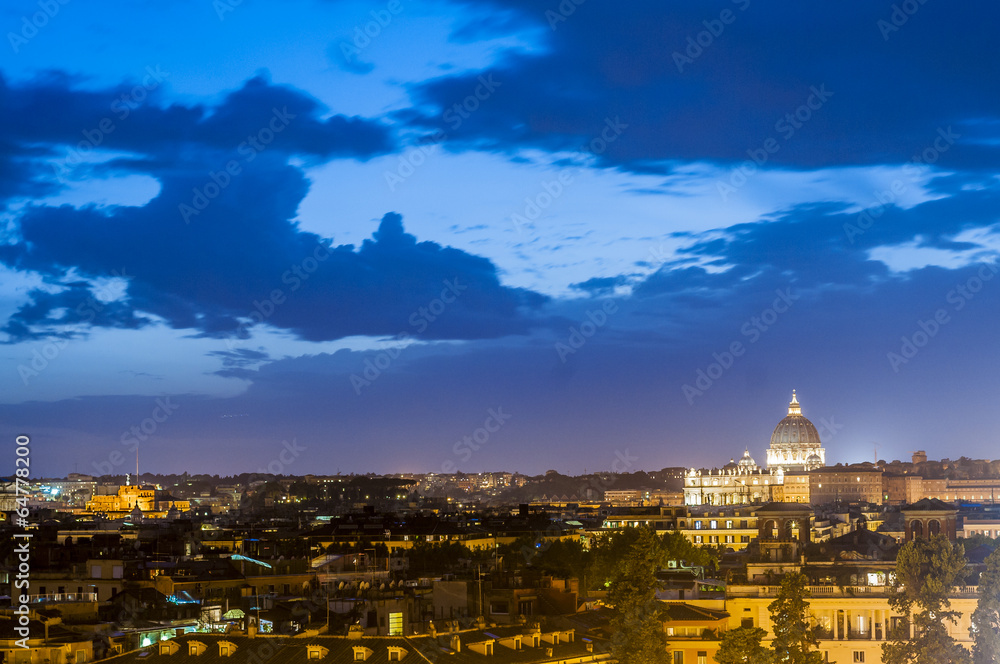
218, 245
601, 285
244, 260
119, 118
720, 100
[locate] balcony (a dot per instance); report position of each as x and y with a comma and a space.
833, 591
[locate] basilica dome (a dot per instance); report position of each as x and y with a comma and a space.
795, 443
795, 430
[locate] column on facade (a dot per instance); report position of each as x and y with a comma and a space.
836, 625
871, 624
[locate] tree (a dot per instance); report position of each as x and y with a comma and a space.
794, 639
986, 618
636, 627
606, 554
679, 547
743, 646
926, 571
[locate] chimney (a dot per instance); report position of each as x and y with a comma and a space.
456, 643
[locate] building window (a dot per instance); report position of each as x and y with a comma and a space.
859, 656
702, 657
729, 524
697, 539
396, 624
697, 525
746, 622
678, 657
713, 524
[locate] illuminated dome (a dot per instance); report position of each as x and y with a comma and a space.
747, 462
795, 443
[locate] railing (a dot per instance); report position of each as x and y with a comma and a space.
743, 590
63, 597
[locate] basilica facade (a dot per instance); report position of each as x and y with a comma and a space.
795, 448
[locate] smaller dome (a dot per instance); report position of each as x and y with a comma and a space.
747, 461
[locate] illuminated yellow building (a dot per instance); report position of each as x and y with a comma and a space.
153, 502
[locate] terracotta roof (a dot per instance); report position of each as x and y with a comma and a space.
930, 505
689, 613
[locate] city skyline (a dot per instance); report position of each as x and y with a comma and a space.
403, 237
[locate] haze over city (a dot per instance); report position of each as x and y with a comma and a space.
503, 235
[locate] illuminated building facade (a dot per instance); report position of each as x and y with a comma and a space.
151, 501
